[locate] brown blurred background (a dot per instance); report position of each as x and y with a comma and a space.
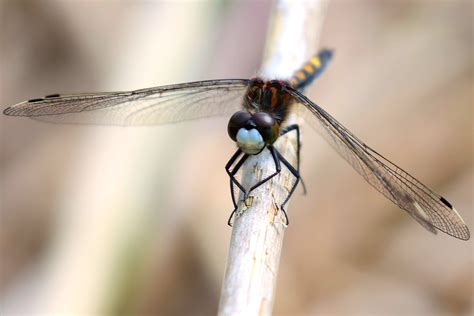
106, 220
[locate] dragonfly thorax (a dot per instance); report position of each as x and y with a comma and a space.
252, 132
269, 96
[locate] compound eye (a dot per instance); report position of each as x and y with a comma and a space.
267, 126
263, 120
236, 122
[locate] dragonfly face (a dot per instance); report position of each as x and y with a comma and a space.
252, 132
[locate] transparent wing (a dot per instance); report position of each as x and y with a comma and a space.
428, 208
159, 105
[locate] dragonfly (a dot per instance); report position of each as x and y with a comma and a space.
258, 109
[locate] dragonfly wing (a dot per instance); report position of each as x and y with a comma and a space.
159, 105
428, 208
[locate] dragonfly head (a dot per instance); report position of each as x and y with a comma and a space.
252, 132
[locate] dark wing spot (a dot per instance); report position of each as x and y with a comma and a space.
56, 95
35, 100
446, 202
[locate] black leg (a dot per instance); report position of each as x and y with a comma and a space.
287, 129
239, 164
232, 194
277, 158
273, 151
231, 174
229, 221
297, 176
233, 159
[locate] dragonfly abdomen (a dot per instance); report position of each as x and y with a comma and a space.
311, 70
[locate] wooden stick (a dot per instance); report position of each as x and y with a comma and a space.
258, 230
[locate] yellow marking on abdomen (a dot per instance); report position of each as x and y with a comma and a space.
308, 68
315, 61
300, 75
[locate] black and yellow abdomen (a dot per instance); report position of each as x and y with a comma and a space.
311, 70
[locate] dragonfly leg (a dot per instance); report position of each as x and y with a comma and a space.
287, 129
231, 172
239, 164
273, 151
295, 173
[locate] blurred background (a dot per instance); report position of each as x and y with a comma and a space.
132, 221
